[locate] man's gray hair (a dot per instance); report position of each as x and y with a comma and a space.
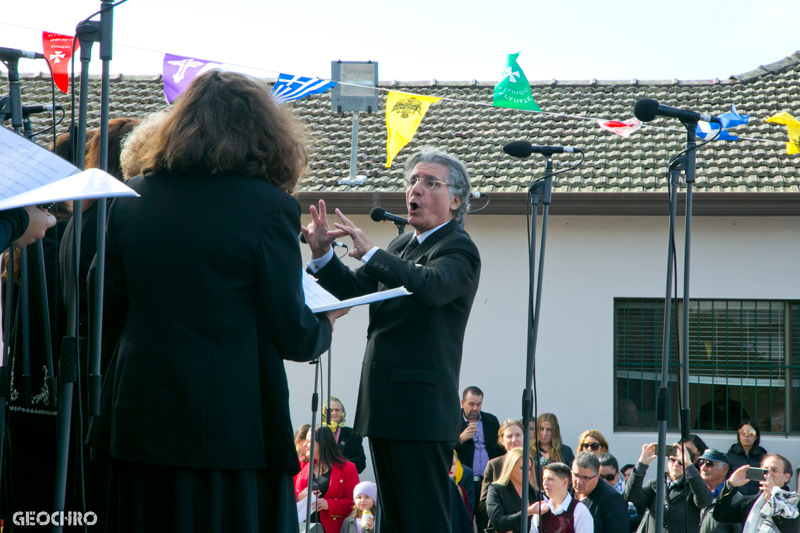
457, 176
587, 460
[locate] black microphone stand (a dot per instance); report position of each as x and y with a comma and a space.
87, 32
686, 162
312, 444
544, 188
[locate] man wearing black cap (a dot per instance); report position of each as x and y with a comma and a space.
714, 468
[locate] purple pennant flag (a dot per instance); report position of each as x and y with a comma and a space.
179, 71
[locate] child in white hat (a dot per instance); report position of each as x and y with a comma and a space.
365, 495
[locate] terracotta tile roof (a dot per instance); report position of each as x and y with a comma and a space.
476, 134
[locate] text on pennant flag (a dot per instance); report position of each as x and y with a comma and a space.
57, 51
404, 112
624, 129
289, 87
513, 89
178, 72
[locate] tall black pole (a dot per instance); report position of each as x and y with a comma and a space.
691, 162
311, 446
106, 34
687, 162
545, 188
662, 409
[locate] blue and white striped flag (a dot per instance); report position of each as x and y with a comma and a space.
289, 87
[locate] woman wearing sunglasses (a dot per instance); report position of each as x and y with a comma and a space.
747, 451
687, 493
593, 441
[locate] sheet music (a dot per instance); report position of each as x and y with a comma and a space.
91, 183
31, 175
24, 165
319, 300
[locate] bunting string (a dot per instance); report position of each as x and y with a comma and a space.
507, 74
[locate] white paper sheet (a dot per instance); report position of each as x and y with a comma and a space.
31, 175
319, 300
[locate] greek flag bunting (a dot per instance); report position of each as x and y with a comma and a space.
289, 87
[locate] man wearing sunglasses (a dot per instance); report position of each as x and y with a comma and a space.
714, 468
408, 397
686, 492
608, 508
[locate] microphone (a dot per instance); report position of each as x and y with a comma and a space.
379, 214
12, 54
334, 243
525, 149
647, 109
478, 195
30, 109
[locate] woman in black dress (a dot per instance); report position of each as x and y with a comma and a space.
203, 279
504, 501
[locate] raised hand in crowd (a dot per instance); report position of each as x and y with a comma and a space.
683, 454
39, 221
739, 477
648, 453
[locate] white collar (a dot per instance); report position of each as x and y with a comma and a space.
425, 234
561, 508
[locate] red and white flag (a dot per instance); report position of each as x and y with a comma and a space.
58, 52
623, 129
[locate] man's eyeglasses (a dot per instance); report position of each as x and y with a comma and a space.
429, 182
608, 477
747, 433
585, 479
705, 462
593, 445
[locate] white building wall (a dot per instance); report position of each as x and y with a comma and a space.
589, 262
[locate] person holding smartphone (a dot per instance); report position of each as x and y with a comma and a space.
774, 506
686, 492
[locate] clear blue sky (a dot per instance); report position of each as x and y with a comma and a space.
422, 40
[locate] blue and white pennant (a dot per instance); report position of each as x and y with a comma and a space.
289, 87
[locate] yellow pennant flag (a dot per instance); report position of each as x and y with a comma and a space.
404, 112
792, 128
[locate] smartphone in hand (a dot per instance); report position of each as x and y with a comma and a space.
755, 474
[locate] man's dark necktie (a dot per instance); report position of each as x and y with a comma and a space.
410, 247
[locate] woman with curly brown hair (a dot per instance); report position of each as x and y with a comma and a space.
203, 279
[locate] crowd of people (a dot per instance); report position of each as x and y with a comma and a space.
706, 490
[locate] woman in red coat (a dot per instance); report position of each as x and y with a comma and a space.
333, 481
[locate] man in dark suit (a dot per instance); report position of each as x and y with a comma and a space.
608, 507
478, 440
408, 397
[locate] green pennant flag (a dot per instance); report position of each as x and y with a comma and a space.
513, 89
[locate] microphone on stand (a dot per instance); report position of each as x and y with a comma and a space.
12, 54
379, 214
30, 109
525, 149
647, 109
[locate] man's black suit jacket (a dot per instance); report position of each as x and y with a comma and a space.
608, 508
409, 377
204, 275
466, 450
